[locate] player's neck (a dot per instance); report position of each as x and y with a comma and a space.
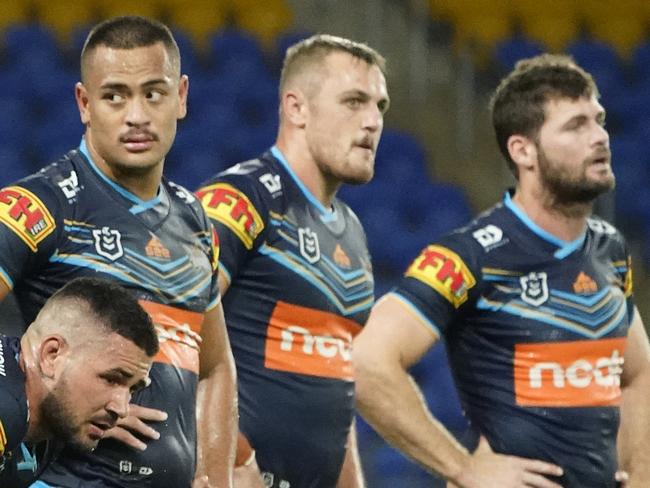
566, 222
306, 169
141, 182
32, 393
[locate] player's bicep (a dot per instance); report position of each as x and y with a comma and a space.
394, 333
637, 352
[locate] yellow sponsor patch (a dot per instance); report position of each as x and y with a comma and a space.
628, 287
215, 248
26, 215
3, 439
228, 205
444, 271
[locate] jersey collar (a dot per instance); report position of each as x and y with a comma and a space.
139, 205
326, 215
564, 247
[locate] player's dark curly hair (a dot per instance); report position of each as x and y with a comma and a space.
129, 32
518, 103
115, 308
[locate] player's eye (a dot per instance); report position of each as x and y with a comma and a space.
113, 97
154, 96
353, 103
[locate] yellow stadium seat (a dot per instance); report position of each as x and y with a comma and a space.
114, 8
14, 12
621, 23
199, 18
64, 19
554, 23
266, 19
553, 32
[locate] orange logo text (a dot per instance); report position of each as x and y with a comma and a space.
310, 342
569, 374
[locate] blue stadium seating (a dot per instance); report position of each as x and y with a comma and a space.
509, 51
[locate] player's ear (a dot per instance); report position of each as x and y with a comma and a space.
294, 107
51, 354
183, 89
81, 95
523, 152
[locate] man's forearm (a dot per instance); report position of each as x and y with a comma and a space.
393, 404
634, 433
217, 425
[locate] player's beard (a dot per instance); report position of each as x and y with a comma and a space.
57, 413
567, 188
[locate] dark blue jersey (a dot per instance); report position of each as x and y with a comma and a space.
300, 288
69, 220
536, 331
20, 463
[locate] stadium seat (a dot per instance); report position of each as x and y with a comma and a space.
601, 60
641, 61
553, 23
14, 12
199, 18
58, 130
31, 47
16, 120
266, 20
114, 8
14, 163
509, 51
621, 24
64, 19
230, 49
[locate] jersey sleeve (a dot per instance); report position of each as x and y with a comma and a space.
13, 407
239, 214
30, 220
13, 422
439, 283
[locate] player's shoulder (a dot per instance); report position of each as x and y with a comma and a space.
480, 235
349, 215
185, 203
253, 185
246, 175
53, 178
605, 234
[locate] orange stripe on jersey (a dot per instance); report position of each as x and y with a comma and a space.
569, 374
310, 342
179, 335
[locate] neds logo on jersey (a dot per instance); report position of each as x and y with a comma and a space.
569, 374
310, 342
233, 209
444, 271
25, 215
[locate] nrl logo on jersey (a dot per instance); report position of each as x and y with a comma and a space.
534, 288
108, 243
309, 247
